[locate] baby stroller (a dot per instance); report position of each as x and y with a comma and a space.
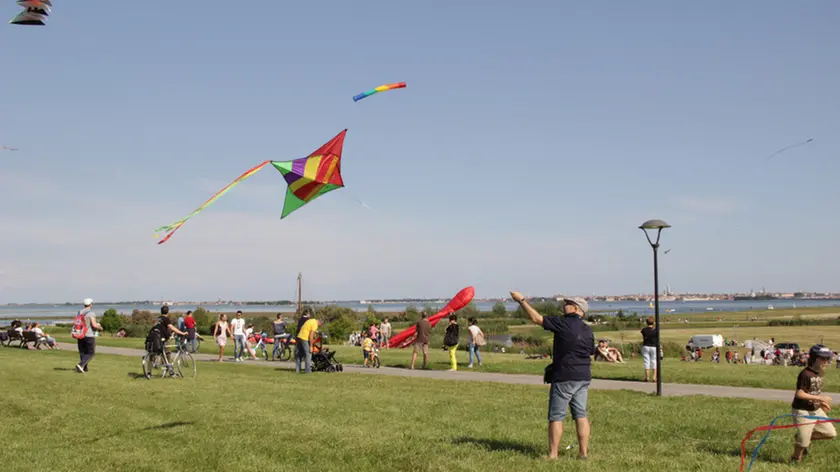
323, 360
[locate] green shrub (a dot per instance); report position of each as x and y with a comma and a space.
142, 317
499, 309
137, 330
204, 320
112, 321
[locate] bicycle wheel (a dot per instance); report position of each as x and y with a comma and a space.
286, 353
376, 362
148, 364
185, 364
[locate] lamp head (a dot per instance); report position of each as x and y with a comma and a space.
658, 225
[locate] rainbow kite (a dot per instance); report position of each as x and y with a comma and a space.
307, 178
381, 88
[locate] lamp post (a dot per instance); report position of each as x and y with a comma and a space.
658, 225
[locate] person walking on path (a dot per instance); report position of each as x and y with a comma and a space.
385, 332
476, 341
450, 340
238, 329
570, 373
649, 342
303, 348
87, 343
421, 341
810, 401
221, 332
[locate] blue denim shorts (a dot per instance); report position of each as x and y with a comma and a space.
572, 393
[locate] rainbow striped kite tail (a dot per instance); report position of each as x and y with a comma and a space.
175, 226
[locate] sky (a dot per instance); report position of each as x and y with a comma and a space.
532, 140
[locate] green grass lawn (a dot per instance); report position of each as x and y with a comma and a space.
240, 417
674, 371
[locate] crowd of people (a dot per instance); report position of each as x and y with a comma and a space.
569, 373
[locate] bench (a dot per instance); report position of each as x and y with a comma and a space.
15, 336
30, 337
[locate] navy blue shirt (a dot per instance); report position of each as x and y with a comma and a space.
574, 343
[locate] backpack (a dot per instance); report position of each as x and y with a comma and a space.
154, 342
79, 330
161, 327
451, 337
479, 339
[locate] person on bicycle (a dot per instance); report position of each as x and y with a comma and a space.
165, 327
280, 335
367, 349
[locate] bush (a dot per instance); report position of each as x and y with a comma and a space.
546, 308
411, 312
339, 329
499, 309
112, 321
142, 317
204, 321
469, 311
137, 330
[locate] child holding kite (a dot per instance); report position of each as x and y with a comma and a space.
810, 401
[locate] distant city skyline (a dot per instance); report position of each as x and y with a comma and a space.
601, 297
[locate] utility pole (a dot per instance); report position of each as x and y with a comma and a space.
300, 277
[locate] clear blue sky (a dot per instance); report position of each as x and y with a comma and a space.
531, 142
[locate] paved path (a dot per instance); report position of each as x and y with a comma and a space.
668, 389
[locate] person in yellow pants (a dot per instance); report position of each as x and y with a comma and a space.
450, 341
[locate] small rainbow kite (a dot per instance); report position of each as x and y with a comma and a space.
381, 88
307, 178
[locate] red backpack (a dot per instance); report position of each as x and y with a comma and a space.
79, 326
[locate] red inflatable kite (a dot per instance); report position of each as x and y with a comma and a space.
406, 337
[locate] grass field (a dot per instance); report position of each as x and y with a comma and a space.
674, 371
238, 417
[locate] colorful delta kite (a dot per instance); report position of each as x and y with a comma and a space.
381, 88
35, 13
307, 178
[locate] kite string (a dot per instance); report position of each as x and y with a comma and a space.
175, 226
771, 427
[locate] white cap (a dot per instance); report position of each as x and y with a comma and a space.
88, 301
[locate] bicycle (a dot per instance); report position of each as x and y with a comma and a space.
181, 364
285, 350
374, 354
198, 340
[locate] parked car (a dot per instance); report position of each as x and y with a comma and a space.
704, 341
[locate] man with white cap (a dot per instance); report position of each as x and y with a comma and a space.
83, 330
570, 372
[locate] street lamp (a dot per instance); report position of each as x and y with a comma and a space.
658, 225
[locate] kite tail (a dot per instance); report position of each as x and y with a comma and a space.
175, 226
771, 427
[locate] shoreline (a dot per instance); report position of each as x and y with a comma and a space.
700, 316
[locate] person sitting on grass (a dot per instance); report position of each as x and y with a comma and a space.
810, 401
367, 347
610, 354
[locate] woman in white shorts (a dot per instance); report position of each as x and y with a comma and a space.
221, 332
649, 349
